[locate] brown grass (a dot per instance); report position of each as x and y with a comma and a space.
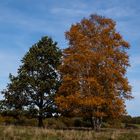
33, 133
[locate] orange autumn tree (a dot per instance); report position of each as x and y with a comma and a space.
93, 69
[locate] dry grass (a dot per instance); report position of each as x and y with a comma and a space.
32, 133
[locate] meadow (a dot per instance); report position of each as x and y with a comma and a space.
33, 133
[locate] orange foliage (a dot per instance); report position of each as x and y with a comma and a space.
93, 70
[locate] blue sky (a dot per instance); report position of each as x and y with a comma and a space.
24, 22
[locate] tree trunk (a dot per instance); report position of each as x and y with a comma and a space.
40, 122
95, 123
40, 117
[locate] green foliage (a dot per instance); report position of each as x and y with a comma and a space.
34, 88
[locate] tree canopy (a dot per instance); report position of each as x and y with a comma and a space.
93, 69
37, 80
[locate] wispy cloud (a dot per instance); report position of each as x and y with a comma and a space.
69, 11
118, 12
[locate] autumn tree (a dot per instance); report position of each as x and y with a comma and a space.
37, 80
93, 69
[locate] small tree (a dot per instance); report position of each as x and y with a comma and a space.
93, 71
38, 80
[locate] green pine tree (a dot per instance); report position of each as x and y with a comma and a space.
38, 80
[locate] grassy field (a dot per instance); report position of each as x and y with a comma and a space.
32, 133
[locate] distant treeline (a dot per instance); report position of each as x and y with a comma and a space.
67, 122
131, 120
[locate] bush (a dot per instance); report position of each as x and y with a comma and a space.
78, 122
130, 126
54, 123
